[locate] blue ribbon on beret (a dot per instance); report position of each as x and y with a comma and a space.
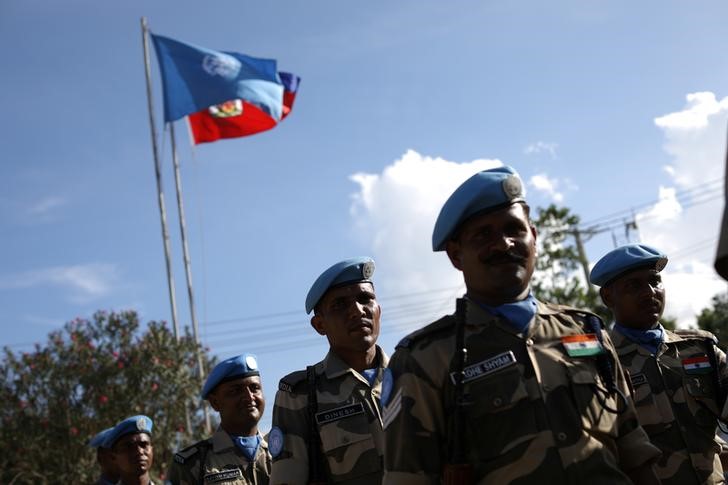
485, 191
624, 259
349, 271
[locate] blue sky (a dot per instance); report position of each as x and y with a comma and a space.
602, 106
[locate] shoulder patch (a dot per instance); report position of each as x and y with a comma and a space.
187, 453
275, 441
289, 382
590, 319
440, 325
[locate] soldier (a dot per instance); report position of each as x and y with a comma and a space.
677, 377
326, 420
541, 397
236, 454
131, 450
109, 474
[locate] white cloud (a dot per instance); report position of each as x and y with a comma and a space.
696, 115
543, 183
394, 214
85, 282
540, 147
45, 205
685, 221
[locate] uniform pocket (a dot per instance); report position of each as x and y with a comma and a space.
591, 397
500, 415
349, 447
654, 410
700, 388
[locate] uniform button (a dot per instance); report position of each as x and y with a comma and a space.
497, 401
547, 388
561, 436
345, 439
529, 342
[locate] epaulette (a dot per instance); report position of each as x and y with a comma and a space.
697, 333
289, 382
440, 325
182, 456
592, 317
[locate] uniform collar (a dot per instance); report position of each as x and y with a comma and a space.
221, 441
334, 367
480, 317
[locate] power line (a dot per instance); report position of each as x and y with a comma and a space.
268, 316
619, 215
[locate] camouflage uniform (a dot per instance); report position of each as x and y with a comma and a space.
223, 463
351, 439
534, 417
677, 407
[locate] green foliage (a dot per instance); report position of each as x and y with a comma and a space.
558, 277
715, 319
87, 377
668, 322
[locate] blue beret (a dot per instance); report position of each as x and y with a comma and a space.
626, 258
134, 424
244, 365
485, 191
98, 440
355, 270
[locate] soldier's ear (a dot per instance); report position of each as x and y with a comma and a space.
452, 247
317, 322
214, 401
606, 293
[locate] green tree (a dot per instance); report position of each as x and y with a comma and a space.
559, 271
715, 319
559, 275
87, 377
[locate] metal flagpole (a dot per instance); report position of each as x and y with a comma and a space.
188, 271
158, 173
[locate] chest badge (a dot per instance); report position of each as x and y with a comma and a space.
486, 367
697, 365
582, 345
224, 476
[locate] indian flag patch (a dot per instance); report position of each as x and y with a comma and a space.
697, 365
583, 345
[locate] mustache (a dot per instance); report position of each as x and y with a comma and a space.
507, 257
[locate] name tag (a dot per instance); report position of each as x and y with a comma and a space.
638, 379
224, 476
486, 367
582, 345
339, 413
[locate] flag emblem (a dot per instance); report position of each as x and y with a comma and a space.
582, 345
223, 65
697, 365
227, 109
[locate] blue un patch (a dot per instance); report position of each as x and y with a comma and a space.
275, 441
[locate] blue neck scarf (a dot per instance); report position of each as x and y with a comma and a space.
649, 339
370, 375
519, 314
248, 445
